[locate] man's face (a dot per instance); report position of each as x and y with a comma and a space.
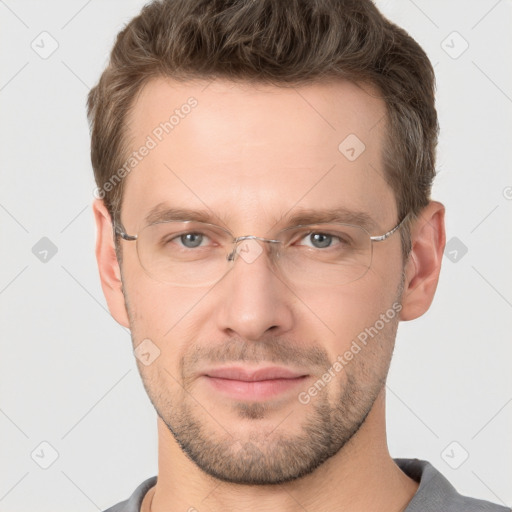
253, 156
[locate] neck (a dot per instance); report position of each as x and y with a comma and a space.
361, 477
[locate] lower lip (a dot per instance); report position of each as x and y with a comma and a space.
255, 390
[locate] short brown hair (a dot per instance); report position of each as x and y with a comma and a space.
283, 43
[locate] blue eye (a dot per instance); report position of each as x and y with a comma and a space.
320, 240
191, 240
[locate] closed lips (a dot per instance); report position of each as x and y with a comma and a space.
251, 375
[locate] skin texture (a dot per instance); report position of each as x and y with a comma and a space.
253, 155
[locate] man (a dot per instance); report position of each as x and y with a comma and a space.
264, 222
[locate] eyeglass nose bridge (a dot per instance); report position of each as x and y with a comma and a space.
238, 239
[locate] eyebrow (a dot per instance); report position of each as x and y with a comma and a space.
340, 214
163, 213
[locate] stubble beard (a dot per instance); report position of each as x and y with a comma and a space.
273, 456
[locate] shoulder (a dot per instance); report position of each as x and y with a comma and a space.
132, 504
436, 493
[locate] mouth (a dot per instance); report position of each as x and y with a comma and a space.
253, 384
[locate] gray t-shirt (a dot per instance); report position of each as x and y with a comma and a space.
434, 494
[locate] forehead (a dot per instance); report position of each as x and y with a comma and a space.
254, 152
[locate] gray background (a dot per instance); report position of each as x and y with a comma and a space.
67, 374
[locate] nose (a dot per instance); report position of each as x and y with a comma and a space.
255, 300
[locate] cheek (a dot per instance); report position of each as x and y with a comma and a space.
340, 316
161, 318
157, 310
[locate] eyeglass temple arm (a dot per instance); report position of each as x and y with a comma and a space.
380, 238
118, 230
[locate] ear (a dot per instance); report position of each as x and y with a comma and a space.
110, 273
422, 269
